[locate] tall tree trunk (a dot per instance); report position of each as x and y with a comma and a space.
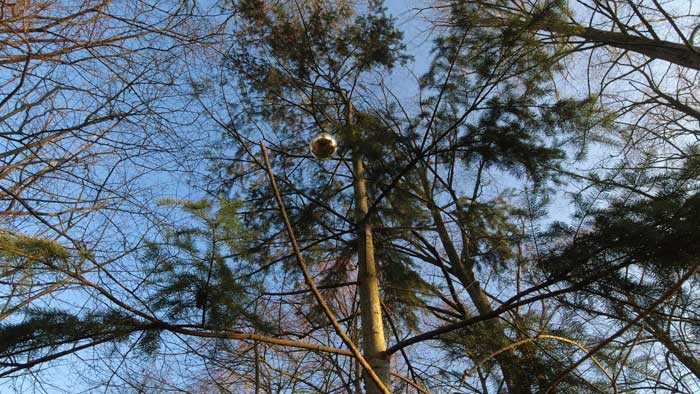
669, 51
682, 54
686, 357
663, 335
257, 370
513, 368
373, 342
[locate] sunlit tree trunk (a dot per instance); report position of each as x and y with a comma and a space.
373, 342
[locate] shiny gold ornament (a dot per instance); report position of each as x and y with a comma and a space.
323, 146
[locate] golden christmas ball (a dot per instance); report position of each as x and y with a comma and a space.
323, 146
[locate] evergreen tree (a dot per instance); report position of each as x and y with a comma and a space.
631, 215
428, 234
299, 68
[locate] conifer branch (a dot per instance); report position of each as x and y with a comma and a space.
672, 290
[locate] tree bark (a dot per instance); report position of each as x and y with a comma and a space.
373, 341
662, 335
672, 52
513, 369
682, 54
257, 369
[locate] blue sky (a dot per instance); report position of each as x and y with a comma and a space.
164, 183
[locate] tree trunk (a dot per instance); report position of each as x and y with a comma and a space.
257, 370
672, 52
513, 368
683, 54
373, 342
686, 358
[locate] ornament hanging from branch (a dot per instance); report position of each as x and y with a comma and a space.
323, 146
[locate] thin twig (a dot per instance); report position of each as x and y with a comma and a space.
530, 340
627, 326
411, 383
